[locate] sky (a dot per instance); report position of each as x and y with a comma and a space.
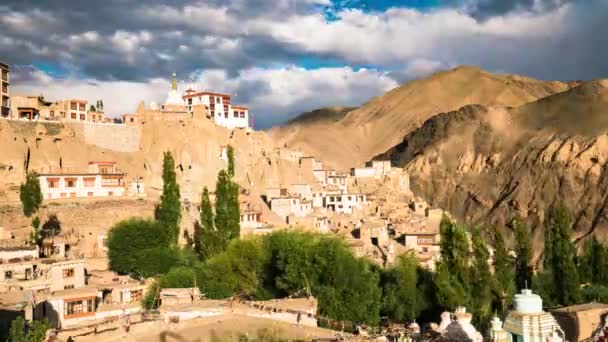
284, 57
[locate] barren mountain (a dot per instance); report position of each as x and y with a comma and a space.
382, 122
486, 164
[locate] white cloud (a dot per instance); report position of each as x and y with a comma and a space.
271, 94
277, 94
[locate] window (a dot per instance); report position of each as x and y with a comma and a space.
63, 194
52, 183
217, 100
68, 287
212, 113
8, 274
137, 295
110, 193
190, 101
73, 115
82, 107
226, 115
90, 194
52, 113
82, 117
70, 183
71, 308
242, 115
132, 119
236, 114
73, 106
62, 115
72, 194
89, 182
68, 273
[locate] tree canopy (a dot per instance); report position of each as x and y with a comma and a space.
30, 194
139, 247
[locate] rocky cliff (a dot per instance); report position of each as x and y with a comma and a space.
486, 164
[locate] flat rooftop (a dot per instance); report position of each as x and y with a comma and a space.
581, 307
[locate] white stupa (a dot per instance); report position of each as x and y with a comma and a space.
529, 323
173, 96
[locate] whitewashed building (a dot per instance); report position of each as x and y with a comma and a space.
345, 203
219, 108
304, 191
103, 179
290, 206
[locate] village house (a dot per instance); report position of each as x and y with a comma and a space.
310, 164
290, 206
5, 96
42, 275
322, 175
178, 296
372, 169
345, 203
250, 216
338, 182
304, 191
70, 308
582, 322
103, 179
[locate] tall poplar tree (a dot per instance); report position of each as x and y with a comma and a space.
227, 215
482, 280
562, 260
168, 213
523, 250
230, 161
207, 241
503, 273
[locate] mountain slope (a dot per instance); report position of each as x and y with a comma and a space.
486, 164
382, 122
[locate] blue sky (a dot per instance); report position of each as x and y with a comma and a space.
283, 57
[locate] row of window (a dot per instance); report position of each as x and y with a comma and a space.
71, 183
78, 306
77, 106
73, 194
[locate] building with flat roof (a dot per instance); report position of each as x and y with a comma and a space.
5, 97
582, 322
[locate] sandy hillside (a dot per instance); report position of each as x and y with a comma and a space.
382, 122
486, 164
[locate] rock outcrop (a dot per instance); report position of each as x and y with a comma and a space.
487, 164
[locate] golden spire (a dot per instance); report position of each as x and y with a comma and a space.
174, 82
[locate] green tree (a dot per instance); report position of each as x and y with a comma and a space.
178, 277
150, 299
562, 261
92, 109
227, 212
20, 331
30, 194
455, 252
504, 274
523, 251
449, 292
401, 298
168, 213
207, 239
132, 245
35, 236
230, 161
481, 288
593, 262
52, 227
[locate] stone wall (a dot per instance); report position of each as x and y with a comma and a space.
118, 138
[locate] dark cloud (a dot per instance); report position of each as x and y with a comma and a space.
485, 9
